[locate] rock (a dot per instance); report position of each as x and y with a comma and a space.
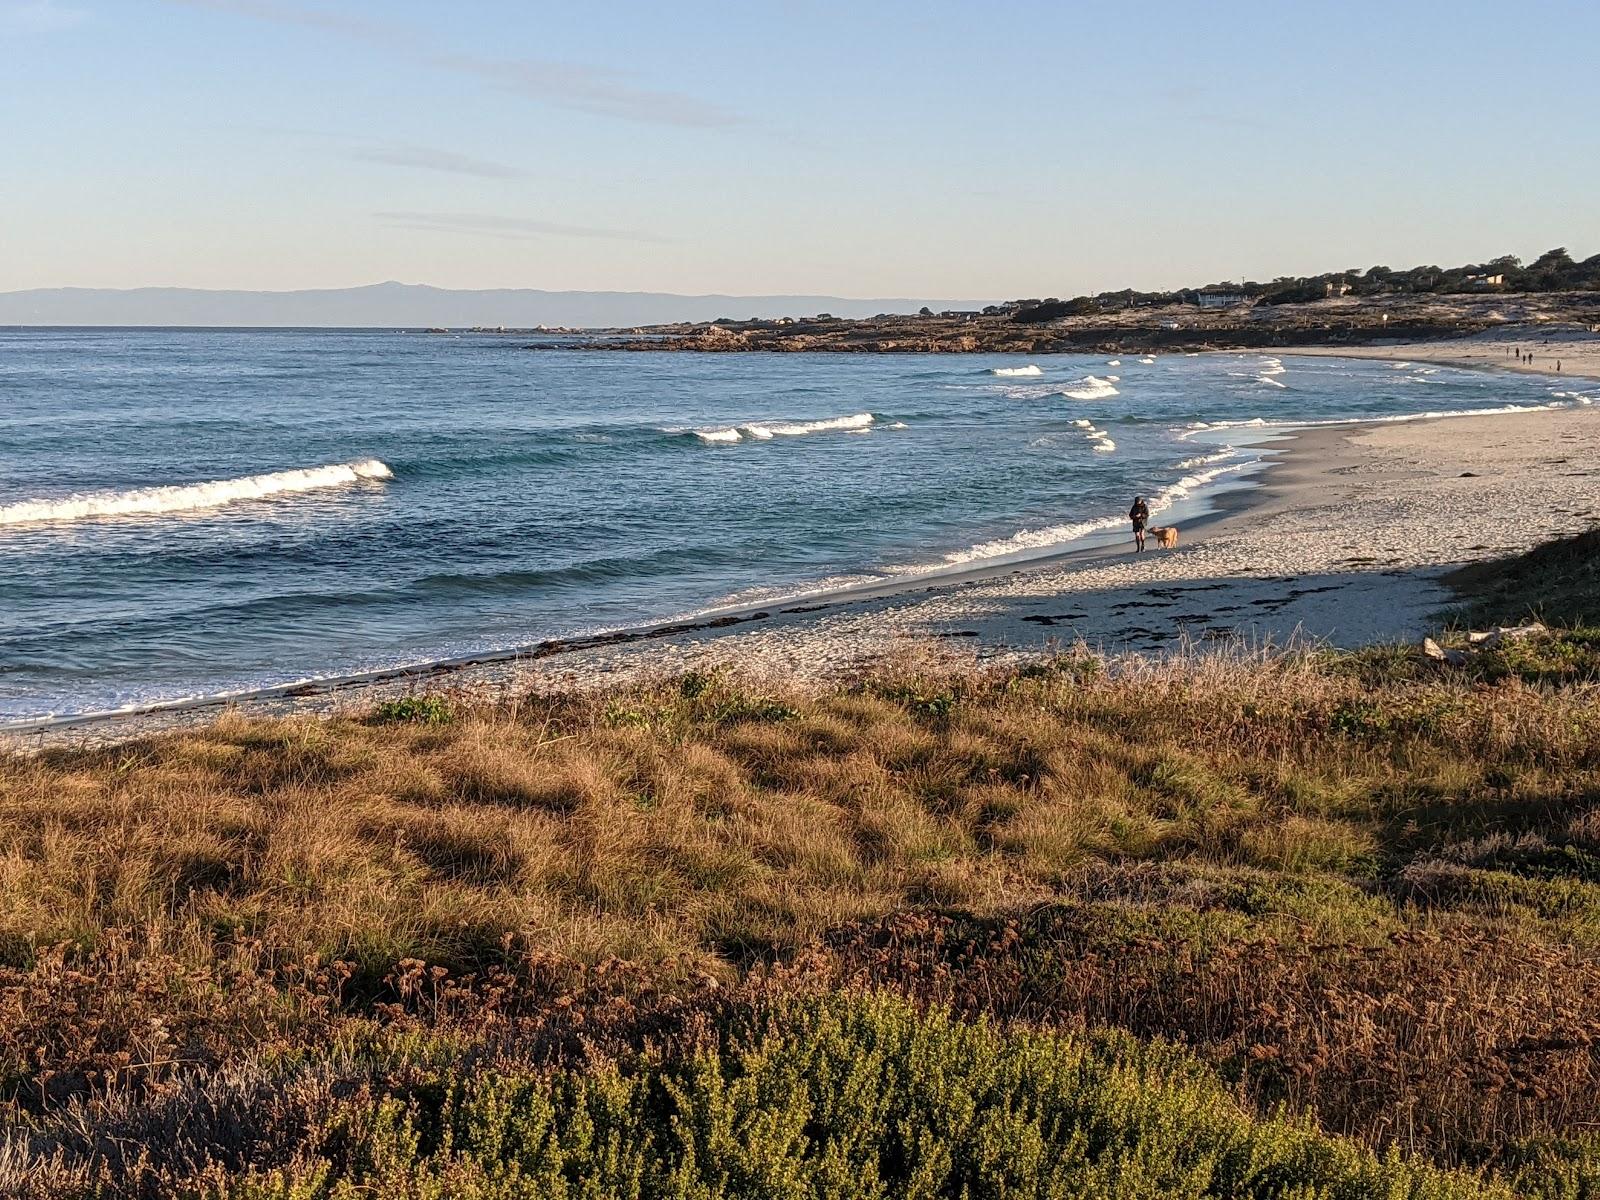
1432, 649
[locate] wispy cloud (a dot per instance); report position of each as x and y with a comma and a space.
39, 16
517, 228
589, 89
429, 158
574, 86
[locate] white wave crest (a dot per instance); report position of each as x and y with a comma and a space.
1024, 540
1084, 423
1267, 379
797, 428
766, 430
1205, 460
1091, 387
1104, 445
192, 496
1147, 361
1030, 369
1113, 362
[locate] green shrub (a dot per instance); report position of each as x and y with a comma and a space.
845, 1097
419, 710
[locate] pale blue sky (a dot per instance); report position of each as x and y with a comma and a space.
934, 149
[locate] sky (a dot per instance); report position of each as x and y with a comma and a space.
960, 151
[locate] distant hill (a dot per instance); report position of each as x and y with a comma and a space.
412, 305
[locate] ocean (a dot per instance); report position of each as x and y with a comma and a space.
189, 513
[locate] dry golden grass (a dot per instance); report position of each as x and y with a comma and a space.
696, 822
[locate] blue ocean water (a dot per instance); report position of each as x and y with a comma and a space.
188, 513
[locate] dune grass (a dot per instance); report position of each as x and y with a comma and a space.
1360, 889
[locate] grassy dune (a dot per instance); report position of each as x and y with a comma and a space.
1309, 925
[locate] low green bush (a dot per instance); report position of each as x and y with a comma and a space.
419, 710
844, 1098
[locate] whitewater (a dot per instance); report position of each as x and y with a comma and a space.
180, 498
763, 431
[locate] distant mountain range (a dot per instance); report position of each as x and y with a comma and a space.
405, 305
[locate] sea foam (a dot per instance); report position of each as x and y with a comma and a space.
1030, 369
192, 496
1091, 387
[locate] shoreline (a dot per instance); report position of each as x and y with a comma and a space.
1086, 550
1576, 351
995, 609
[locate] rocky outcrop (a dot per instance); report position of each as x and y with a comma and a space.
1134, 330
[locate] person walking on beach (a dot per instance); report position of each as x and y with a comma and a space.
1139, 514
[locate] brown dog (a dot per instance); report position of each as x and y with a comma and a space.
1166, 535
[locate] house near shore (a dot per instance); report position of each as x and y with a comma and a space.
1219, 298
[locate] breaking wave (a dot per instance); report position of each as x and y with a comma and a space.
1030, 369
767, 430
192, 496
1091, 387
1205, 460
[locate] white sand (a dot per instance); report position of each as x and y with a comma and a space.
1343, 542
1575, 349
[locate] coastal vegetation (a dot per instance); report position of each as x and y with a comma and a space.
1310, 924
1553, 294
1553, 271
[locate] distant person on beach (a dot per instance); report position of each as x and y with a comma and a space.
1139, 514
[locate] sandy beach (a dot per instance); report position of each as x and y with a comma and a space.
1576, 350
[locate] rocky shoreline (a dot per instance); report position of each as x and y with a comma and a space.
1338, 322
